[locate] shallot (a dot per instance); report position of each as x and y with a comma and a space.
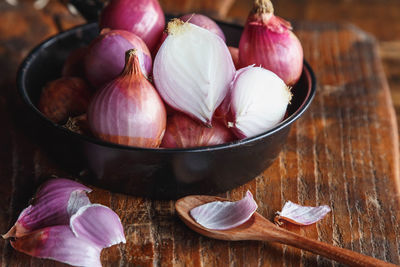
267, 41
193, 70
256, 102
128, 110
105, 58
183, 132
144, 18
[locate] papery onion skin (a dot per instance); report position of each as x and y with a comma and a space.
225, 215
99, 224
184, 132
128, 110
301, 215
193, 70
63, 98
105, 58
267, 41
256, 102
144, 18
204, 22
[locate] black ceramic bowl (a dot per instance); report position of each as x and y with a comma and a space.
156, 173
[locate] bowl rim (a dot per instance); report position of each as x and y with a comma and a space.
33, 54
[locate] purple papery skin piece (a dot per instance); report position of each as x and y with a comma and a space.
59, 243
303, 215
219, 215
55, 202
99, 224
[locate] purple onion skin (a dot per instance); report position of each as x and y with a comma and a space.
144, 18
204, 22
128, 110
268, 41
105, 58
184, 132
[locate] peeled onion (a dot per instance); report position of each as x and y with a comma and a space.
128, 110
193, 70
183, 132
105, 57
267, 41
144, 18
256, 103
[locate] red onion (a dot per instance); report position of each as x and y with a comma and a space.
204, 22
193, 70
144, 18
184, 132
268, 41
106, 56
256, 102
128, 110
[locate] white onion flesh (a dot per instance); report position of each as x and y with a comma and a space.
258, 101
193, 70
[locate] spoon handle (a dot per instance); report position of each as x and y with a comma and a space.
338, 254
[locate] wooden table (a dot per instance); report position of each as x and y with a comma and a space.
343, 152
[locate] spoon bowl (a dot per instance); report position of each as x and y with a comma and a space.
261, 229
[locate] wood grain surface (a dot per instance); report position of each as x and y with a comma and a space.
343, 152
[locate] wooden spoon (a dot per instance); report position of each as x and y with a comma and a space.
259, 228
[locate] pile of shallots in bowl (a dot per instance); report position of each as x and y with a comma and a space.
146, 84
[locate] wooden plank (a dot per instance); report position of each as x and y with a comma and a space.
343, 152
